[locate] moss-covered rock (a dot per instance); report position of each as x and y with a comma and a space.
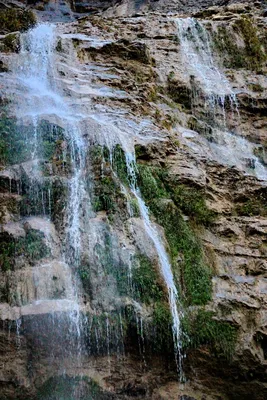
255, 205
241, 44
201, 328
11, 43
167, 202
13, 20
147, 281
32, 247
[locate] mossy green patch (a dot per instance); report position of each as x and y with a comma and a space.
162, 323
11, 43
192, 202
16, 20
108, 195
167, 202
150, 183
201, 329
19, 142
106, 332
256, 205
119, 164
147, 281
251, 54
190, 270
32, 247
105, 194
12, 141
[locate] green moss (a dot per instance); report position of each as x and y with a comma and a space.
134, 206
162, 322
256, 205
119, 164
107, 332
192, 202
167, 202
109, 262
105, 195
149, 183
11, 43
254, 51
225, 44
193, 276
17, 142
12, 141
16, 20
31, 247
252, 55
147, 281
98, 155
201, 329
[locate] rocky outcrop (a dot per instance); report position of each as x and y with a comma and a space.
202, 173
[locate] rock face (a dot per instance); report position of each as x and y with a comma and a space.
127, 7
84, 307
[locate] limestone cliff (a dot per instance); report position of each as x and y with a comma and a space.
84, 305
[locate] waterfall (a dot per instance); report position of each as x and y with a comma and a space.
198, 63
166, 268
36, 75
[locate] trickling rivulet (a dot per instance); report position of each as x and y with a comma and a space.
199, 64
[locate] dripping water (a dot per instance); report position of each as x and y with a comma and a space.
166, 268
226, 147
198, 62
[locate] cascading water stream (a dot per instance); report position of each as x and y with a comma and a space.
195, 48
36, 77
197, 58
166, 268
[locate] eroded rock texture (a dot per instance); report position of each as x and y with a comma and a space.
189, 95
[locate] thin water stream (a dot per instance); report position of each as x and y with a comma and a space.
198, 62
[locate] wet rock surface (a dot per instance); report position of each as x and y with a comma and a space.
136, 69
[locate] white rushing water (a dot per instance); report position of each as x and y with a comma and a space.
197, 59
225, 147
166, 268
45, 98
35, 76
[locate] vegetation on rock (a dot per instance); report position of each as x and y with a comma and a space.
251, 54
13, 20
202, 329
31, 246
167, 204
147, 281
